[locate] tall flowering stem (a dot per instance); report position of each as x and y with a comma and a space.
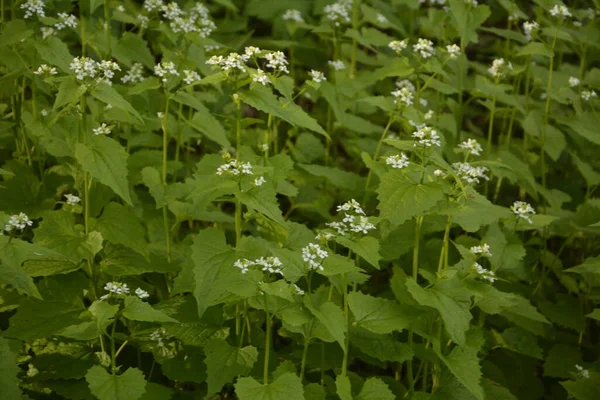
377, 151
547, 114
415, 274
165, 144
267, 342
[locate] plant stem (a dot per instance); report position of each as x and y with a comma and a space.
347, 320
377, 150
415, 274
107, 27
113, 356
304, 357
355, 23
267, 343
165, 145
546, 117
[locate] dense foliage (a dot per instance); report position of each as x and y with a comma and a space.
299, 199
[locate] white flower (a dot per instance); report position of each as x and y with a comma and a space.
298, 290
18, 221
102, 130
171, 11
259, 181
581, 372
117, 288
587, 95
44, 112
165, 69
499, 68
47, 31
293, 15
472, 3
325, 236
314, 256
66, 20
160, 336
428, 114
317, 76
573, 82
208, 48
439, 173
513, 17
522, 210
382, 19
423, 102
277, 61
45, 70
453, 51
397, 45
33, 7
398, 161
469, 173
339, 12
141, 293
351, 205
339, 227
72, 199
484, 250
560, 11
529, 27
160, 114
471, 146
134, 74
151, 5
261, 77
252, 51
403, 96
143, 20
121, 9
358, 223
484, 274
424, 47
338, 65
405, 83
183, 24
426, 136
190, 76
235, 168
269, 264
264, 147
83, 67
107, 70
232, 61
243, 265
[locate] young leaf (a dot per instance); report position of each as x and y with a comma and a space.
375, 389
131, 385
8, 371
378, 315
286, 387
109, 95
138, 310
224, 363
119, 225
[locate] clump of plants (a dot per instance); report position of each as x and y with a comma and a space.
288, 200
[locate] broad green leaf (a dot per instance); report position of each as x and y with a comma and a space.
8, 371
467, 19
224, 363
584, 388
367, 247
594, 314
131, 385
378, 315
109, 95
286, 387
332, 317
137, 310
55, 52
41, 319
476, 212
382, 347
69, 93
103, 314
338, 177
132, 48
94, 4
521, 341
106, 161
343, 388
14, 31
119, 225
561, 360
197, 334
154, 391
401, 199
456, 316
203, 121
535, 49
262, 199
375, 389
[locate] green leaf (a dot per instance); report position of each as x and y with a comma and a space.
286, 387
137, 310
378, 315
367, 247
584, 388
109, 95
38, 320
203, 120
106, 161
594, 314
8, 371
263, 199
332, 317
382, 347
375, 389
132, 48
69, 93
55, 52
103, 314
476, 212
131, 385
154, 391
261, 98
401, 199
224, 363
338, 177
561, 361
14, 31
343, 387
456, 316
119, 225
535, 49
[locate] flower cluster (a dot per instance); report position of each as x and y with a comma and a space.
260, 181
424, 47
398, 161
165, 69
354, 219
471, 147
573, 81
587, 95
469, 173
103, 72
582, 372
190, 76
453, 51
47, 32
426, 136
107, 69
269, 264
102, 130
120, 288
397, 45
338, 65
484, 274
235, 168
33, 7
500, 68
232, 62
560, 11
197, 19
151, 5
45, 69
143, 21
339, 12
403, 97
483, 250
134, 74
317, 76
293, 15
160, 336
277, 61
530, 27
298, 290
314, 256
72, 200
522, 210
66, 20
18, 222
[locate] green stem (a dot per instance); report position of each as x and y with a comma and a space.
355, 23
107, 27
267, 343
165, 145
546, 117
113, 358
347, 321
304, 357
415, 274
377, 150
